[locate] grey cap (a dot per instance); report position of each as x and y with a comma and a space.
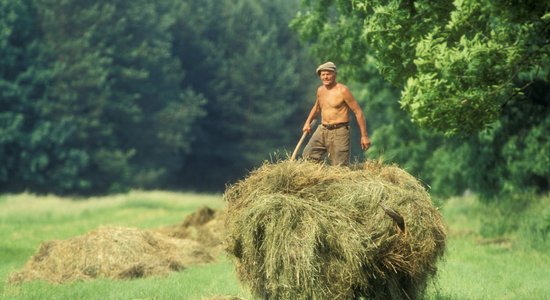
328, 66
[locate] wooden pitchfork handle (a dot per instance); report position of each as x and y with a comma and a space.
301, 140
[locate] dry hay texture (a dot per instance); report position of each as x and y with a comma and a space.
111, 252
301, 230
205, 225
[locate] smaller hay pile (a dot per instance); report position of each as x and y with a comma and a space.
110, 252
206, 226
301, 230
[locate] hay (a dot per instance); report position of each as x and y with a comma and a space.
300, 230
206, 226
110, 252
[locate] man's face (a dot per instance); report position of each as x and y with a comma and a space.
327, 77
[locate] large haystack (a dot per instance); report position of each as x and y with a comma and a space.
111, 252
301, 230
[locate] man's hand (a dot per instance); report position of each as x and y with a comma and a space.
365, 143
308, 125
307, 128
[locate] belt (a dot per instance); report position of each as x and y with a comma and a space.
336, 125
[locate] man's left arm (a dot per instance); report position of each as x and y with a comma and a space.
359, 116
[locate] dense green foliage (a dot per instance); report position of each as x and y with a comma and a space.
242, 56
475, 71
95, 100
101, 96
456, 60
512, 157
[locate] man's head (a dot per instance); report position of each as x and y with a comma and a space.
327, 74
328, 66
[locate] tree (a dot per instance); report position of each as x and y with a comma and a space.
244, 59
99, 107
456, 61
437, 161
22, 78
478, 72
510, 158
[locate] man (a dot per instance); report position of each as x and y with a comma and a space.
334, 102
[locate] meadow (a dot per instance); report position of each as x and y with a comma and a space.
478, 264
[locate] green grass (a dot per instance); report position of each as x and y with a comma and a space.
27, 220
480, 267
193, 283
475, 266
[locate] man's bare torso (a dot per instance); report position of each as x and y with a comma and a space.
334, 108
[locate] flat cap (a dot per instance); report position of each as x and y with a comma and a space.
328, 66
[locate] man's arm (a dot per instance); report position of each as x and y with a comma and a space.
312, 114
356, 109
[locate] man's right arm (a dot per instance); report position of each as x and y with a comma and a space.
312, 114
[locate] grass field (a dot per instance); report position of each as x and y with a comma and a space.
475, 267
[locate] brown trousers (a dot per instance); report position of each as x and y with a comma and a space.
333, 142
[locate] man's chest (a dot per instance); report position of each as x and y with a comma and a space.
331, 100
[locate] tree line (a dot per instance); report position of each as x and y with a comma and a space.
104, 96
472, 80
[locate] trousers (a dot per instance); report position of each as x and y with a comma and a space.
333, 143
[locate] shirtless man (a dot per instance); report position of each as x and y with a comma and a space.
334, 102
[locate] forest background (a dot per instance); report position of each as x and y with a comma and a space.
100, 97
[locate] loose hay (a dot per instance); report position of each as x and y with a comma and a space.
206, 226
300, 230
111, 252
